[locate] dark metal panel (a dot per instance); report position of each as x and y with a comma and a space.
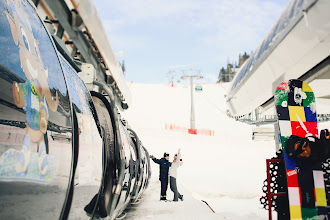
63, 14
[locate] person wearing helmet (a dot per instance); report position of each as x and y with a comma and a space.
177, 161
164, 165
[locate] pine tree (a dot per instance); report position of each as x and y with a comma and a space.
242, 59
123, 68
227, 74
222, 74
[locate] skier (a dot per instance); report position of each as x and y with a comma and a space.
177, 161
164, 165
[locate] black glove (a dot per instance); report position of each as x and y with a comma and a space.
325, 142
298, 147
310, 148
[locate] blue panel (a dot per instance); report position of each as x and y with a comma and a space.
322, 211
290, 164
310, 116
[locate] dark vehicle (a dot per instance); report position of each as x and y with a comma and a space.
64, 150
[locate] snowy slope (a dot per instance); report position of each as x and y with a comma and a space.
227, 169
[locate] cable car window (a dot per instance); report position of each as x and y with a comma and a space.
88, 174
35, 118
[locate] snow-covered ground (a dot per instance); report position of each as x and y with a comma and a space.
227, 170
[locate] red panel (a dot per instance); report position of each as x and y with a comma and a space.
282, 86
298, 130
312, 128
315, 195
292, 178
192, 131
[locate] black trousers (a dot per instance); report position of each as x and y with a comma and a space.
163, 184
174, 188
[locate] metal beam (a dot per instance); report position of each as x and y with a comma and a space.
63, 14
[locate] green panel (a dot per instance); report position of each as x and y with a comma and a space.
283, 140
310, 99
280, 96
310, 214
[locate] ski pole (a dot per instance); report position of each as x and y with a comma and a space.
208, 205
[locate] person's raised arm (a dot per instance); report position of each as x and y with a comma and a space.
178, 158
155, 159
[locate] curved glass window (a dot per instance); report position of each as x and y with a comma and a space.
283, 25
35, 118
88, 173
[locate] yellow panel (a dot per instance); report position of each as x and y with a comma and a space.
295, 212
321, 199
306, 88
295, 111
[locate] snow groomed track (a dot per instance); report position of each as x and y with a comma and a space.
226, 170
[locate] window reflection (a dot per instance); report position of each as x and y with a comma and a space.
35, 161
278, 32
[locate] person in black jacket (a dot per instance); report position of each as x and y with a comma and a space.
164, 165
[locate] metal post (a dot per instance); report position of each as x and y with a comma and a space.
277, 137
192, 112
192, 129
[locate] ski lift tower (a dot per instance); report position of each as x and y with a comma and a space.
171, 76
191, 76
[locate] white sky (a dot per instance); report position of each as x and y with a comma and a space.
156, 36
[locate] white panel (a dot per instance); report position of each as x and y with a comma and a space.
318, 179
294, 196
285, 127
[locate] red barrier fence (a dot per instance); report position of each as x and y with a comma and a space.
173, 127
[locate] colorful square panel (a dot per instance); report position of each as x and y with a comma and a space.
322, 211
320, 197
310, 99
306, 87
295, 212
285, 127
281, 98
312, 128
290, 164
283, 142
299, 130
297, 113
309, 213
295, 83
292, 178
294, 196
310, 115
282, 86
282, 113
306, 184
318, 179
292, 97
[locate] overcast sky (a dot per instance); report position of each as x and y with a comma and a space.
158, 36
